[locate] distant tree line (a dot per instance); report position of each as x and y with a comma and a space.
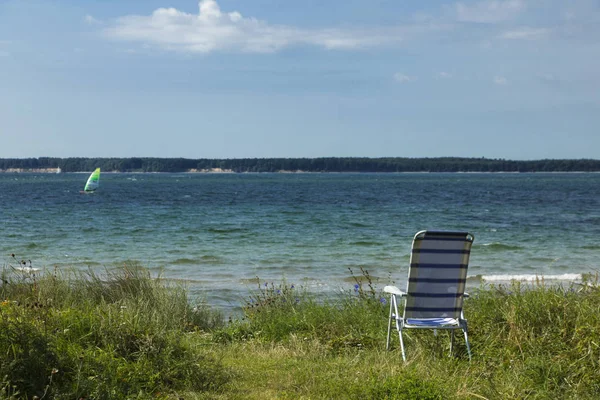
326, 164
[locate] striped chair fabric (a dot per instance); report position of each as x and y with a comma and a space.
437, 275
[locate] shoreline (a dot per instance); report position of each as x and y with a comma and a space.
229, 171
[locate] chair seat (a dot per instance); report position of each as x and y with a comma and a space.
431, 322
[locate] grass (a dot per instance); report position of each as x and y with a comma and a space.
124, 335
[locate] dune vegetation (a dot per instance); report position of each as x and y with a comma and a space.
124, 334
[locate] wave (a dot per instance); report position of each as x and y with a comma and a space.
501, 246
201, 260
365, 243
184, 261
92, 263
362, 279
591, 247
247, 281
524, 277
549, 260
226, 230
139, 229
183, 280
26, 269
359, 225
210, 260
293, 212
78, 264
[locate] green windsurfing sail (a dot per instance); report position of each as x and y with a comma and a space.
93, 181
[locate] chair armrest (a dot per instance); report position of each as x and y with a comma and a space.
394, 290
465, 295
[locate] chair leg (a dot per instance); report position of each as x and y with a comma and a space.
389, 332
451, 341
394, 316
402, 345
465, 330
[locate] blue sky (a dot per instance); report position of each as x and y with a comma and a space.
511, 79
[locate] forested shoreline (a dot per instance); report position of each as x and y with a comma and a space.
324, 164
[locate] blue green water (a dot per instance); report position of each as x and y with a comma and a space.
221, 231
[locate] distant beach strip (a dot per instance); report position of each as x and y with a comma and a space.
289, 165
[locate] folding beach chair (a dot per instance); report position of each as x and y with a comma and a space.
436, 286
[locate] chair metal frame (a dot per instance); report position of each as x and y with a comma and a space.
436, 317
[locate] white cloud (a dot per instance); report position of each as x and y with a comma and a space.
500, 80
444, 75
401, 78
525, 33
212, 30
88, 19
489, 11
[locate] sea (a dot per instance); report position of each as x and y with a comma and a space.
223, 235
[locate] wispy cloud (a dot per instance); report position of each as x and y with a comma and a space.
525, 33
213, 30
88, 19
444, 75
402, 78
489, 11
500, 80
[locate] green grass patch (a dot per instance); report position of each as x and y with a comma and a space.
124, 334
534, 341
121, 335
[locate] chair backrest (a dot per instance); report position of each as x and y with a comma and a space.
437, 274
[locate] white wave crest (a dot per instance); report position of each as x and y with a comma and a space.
531, 277
26, 269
